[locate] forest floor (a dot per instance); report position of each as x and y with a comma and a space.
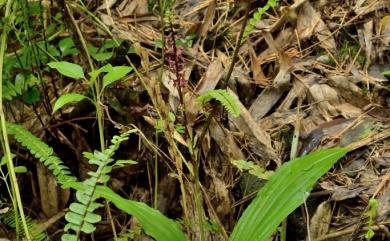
309, 75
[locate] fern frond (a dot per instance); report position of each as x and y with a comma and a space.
81, 216
9, 219
228, 101
41, 151
256, 17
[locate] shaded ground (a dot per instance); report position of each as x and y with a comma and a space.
313, 68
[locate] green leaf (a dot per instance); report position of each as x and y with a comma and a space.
67, 47
68, 69
78, 208
99, 54
386, 72
74, 218
88, 228
252, 168
68, 237
154, 223
31, 96
19, 83
67, 99
92, 217
286, 190
115, 74
121, 163
20, 169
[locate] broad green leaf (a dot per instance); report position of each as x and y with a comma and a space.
67, 47
99, 54
95, 73
67, 99
287, 188
102, 56
386, 72
116, 74
154, 223
68, 69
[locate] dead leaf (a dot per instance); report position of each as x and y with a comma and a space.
320, 222
225, 141
264, 102
326, 97
261, 141
309, 23
211, 78
53, 198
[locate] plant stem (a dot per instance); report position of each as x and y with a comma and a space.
18, 205
155, 193
225, 82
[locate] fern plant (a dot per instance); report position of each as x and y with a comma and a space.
256, 18
9, 219
81, 216
41, 151
228, 101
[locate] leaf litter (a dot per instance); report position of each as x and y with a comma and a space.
328, 55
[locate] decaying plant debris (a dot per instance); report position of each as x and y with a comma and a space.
313, 66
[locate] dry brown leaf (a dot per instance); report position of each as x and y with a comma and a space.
107, 4
297, 90
258, 74
385, 30
133, 7
370, 6
320, 222
326, 98
384, 205
211, 78
53, 198
208, 20
261, 141
348, 90
221, 197
264, 102
225, 141
309, 23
